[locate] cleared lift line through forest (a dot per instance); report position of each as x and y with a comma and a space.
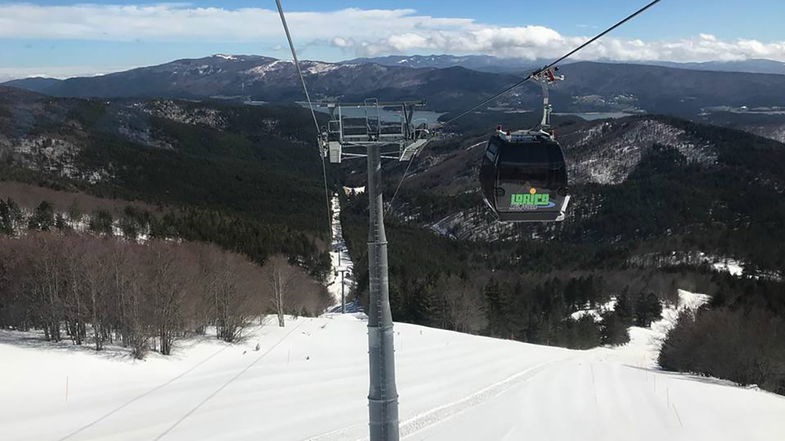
341, 277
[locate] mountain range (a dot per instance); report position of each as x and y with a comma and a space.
444, 81
266, 79
519, 66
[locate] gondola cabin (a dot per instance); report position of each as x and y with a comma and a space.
524, 177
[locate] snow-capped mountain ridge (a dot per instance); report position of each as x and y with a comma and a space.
448, 83
257, 78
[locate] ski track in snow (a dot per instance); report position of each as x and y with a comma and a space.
447, 411
143, 395
441, 413
227, 383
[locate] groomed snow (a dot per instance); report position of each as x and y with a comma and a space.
309, 381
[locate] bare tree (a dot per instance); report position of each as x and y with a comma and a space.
227, 282
291, 290
462, 309
168, 277
281, 277
142, 295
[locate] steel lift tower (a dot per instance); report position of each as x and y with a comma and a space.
376, 130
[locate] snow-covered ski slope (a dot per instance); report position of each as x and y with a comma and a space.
308, 381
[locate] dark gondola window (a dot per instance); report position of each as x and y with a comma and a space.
491, 151
529, 154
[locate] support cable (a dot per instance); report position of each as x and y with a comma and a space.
529, 77
554, 63
398, 187
313, 113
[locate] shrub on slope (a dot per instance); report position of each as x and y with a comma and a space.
747, 347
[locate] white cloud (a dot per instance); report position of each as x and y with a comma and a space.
61, 72
355, 31
181, 22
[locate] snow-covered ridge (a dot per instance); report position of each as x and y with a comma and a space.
771, 131
262, 70
718, 263
193, 116
315, 67
51, 154
721, 264
607, 154
308, 67
81, 224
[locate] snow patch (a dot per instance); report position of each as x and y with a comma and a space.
595, 313
349, 191
193, 116
316, 68
259, 72
730, 266
721, 264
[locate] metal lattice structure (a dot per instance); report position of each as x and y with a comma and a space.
353, 127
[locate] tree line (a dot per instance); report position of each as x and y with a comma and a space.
738, 336
746, 347
100, 290
526, 290
256, 240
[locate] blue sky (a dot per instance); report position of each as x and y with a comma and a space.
64, 38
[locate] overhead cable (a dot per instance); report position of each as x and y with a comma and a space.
529, 77
310, 106
554, 63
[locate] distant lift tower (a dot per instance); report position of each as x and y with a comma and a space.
376, 130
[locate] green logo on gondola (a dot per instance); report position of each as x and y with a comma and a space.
532, 199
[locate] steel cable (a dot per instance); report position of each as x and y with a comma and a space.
313, 113
554, 63
529, 77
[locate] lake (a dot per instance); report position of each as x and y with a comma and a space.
591, 116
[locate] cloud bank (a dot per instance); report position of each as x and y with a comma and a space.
360, 32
